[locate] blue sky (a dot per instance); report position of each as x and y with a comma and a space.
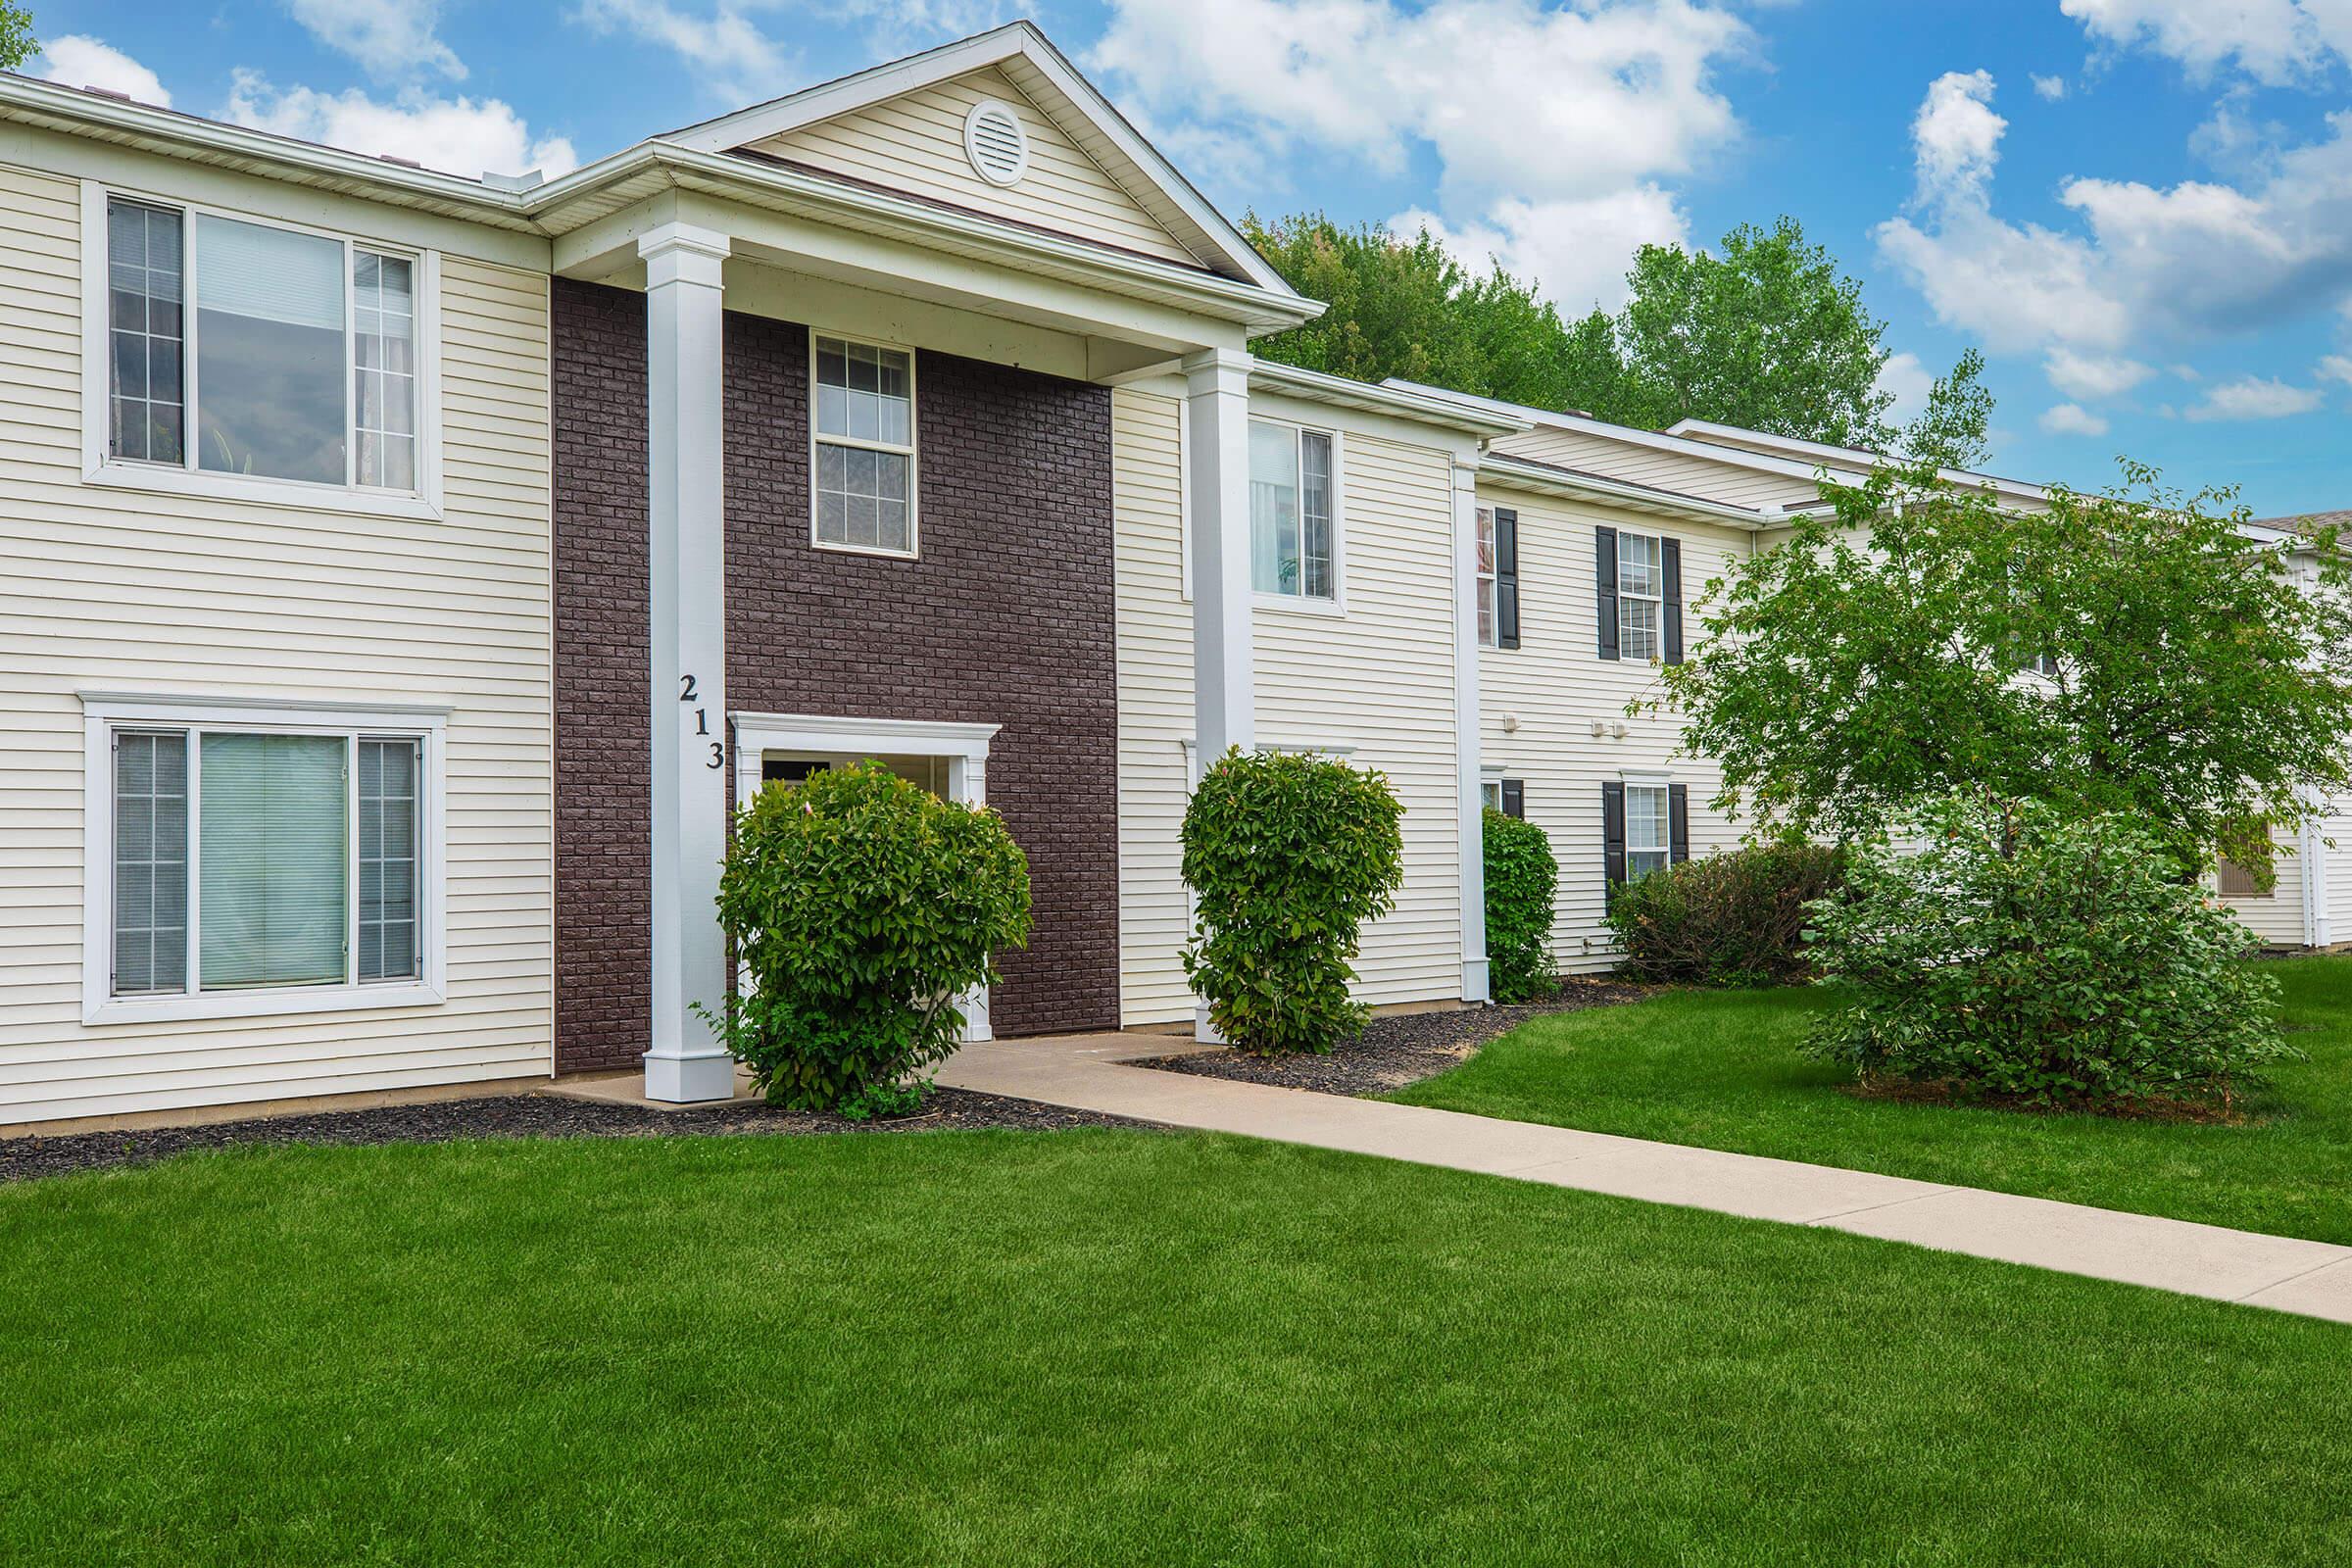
2142, 210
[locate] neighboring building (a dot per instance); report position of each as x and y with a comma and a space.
406, 573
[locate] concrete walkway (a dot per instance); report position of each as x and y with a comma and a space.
1090, 1072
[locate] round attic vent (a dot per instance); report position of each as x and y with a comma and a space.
993, 139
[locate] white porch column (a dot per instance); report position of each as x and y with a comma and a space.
1466, 732
1224, 710
688, 597
1216, 386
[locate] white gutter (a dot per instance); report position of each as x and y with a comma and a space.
1545, 477
1321, 387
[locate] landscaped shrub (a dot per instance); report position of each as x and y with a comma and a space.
861, 906
2028, 958
1736, 918
1288, 857
1522, 878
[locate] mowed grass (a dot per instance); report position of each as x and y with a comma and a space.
1726, 1071
1093, 1348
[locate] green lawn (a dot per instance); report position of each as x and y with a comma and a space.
1093, 1348
1723, 1069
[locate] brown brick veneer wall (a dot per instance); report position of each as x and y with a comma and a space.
1006, 618
604, 744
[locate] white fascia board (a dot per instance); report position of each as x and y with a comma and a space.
1717, 435
1545, 480
1693, 447
878, 211
1315, 386
77, 112
1015, 40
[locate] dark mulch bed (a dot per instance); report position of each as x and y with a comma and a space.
1402, 1048
515, 1116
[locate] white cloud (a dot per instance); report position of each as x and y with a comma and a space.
2189, 260
2274, 41
2252, 397
391, 39
2337, 368
1907, 376
2050, 89
1956, 137
1556, 130
2070, 418
1578, 250
2092, 376
456, 135
79, 61
740, 63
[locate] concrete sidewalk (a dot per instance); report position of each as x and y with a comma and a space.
1090, 1072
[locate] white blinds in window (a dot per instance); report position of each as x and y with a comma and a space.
275, 850
269, 275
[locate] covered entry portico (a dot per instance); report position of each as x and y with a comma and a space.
745, 260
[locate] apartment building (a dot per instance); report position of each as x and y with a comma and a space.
405, 575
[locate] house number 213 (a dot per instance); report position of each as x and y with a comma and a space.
687, 693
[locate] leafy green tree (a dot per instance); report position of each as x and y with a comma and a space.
2131, 653
1765, 333
17, 42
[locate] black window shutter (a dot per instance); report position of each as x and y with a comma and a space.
1612, 833
1506, 578
1677, 822
1605, 581
1670, 553
1514, 798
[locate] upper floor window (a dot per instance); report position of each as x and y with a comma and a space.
1640, 590
863, 431
298, 360
1486, 580
1292, 551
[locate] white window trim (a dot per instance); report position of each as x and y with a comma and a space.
910, 451
1489, 578
1300, 604
1664, 785
99, 467
104, 712
1659, 599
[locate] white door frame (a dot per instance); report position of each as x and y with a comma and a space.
964, 747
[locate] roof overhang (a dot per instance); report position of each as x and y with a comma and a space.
1039, 71
77, 112
1316, 386
1544, 478
596, 193
1722, 438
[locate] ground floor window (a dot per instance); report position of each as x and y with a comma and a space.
1648, 846
1505, 795
252, 852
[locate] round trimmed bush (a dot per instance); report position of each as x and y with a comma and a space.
861, 906
1288, 855
2025, 957
1733, 918
1523, 877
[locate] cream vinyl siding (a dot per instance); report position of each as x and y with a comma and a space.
1556, 685
1378, 680
914, 144
1381, 679
1156, 704
1682, 472
113, 590
2276, 916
